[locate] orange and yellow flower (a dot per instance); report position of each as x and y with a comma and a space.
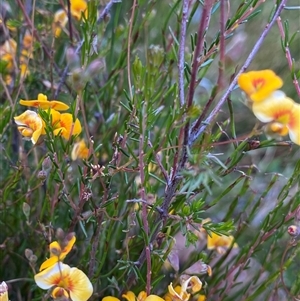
78, 7
64, 125
258, 85
60, 22
65, 281
58, 252
220, 243
43, 103
30, 125
182, 293
270, 105
280, 109
80, 150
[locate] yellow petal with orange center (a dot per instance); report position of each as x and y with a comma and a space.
78, 7
80, 287
32, 121
68, 128
73, 280
294, 124
258, 85
26, 132
277, 107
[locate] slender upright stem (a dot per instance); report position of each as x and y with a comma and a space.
185, 9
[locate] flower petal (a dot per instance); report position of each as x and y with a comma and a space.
294, 124
276, 130
60, 21
31, 120
80, 150
80, 286
277, 107
129, 296
66, 250
154, 298
194, 283
43, 103
52, 275
49, 262
259, 84
78, 7
110, 298
216, 240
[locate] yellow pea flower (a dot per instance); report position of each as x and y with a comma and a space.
7, 54
28, 40
281, 109
9, 46
43, 103
30, 125
78, 7
258, 85
58, 252
66, 281
180, 293
220, 242
80, 150
64, 125
60, 21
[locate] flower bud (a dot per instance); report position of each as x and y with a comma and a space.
60, 234
73, 59
94, 68
155, 57
42, 175
47, 164
26, 210
28, 253
293, 230
33, 259
69, 237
